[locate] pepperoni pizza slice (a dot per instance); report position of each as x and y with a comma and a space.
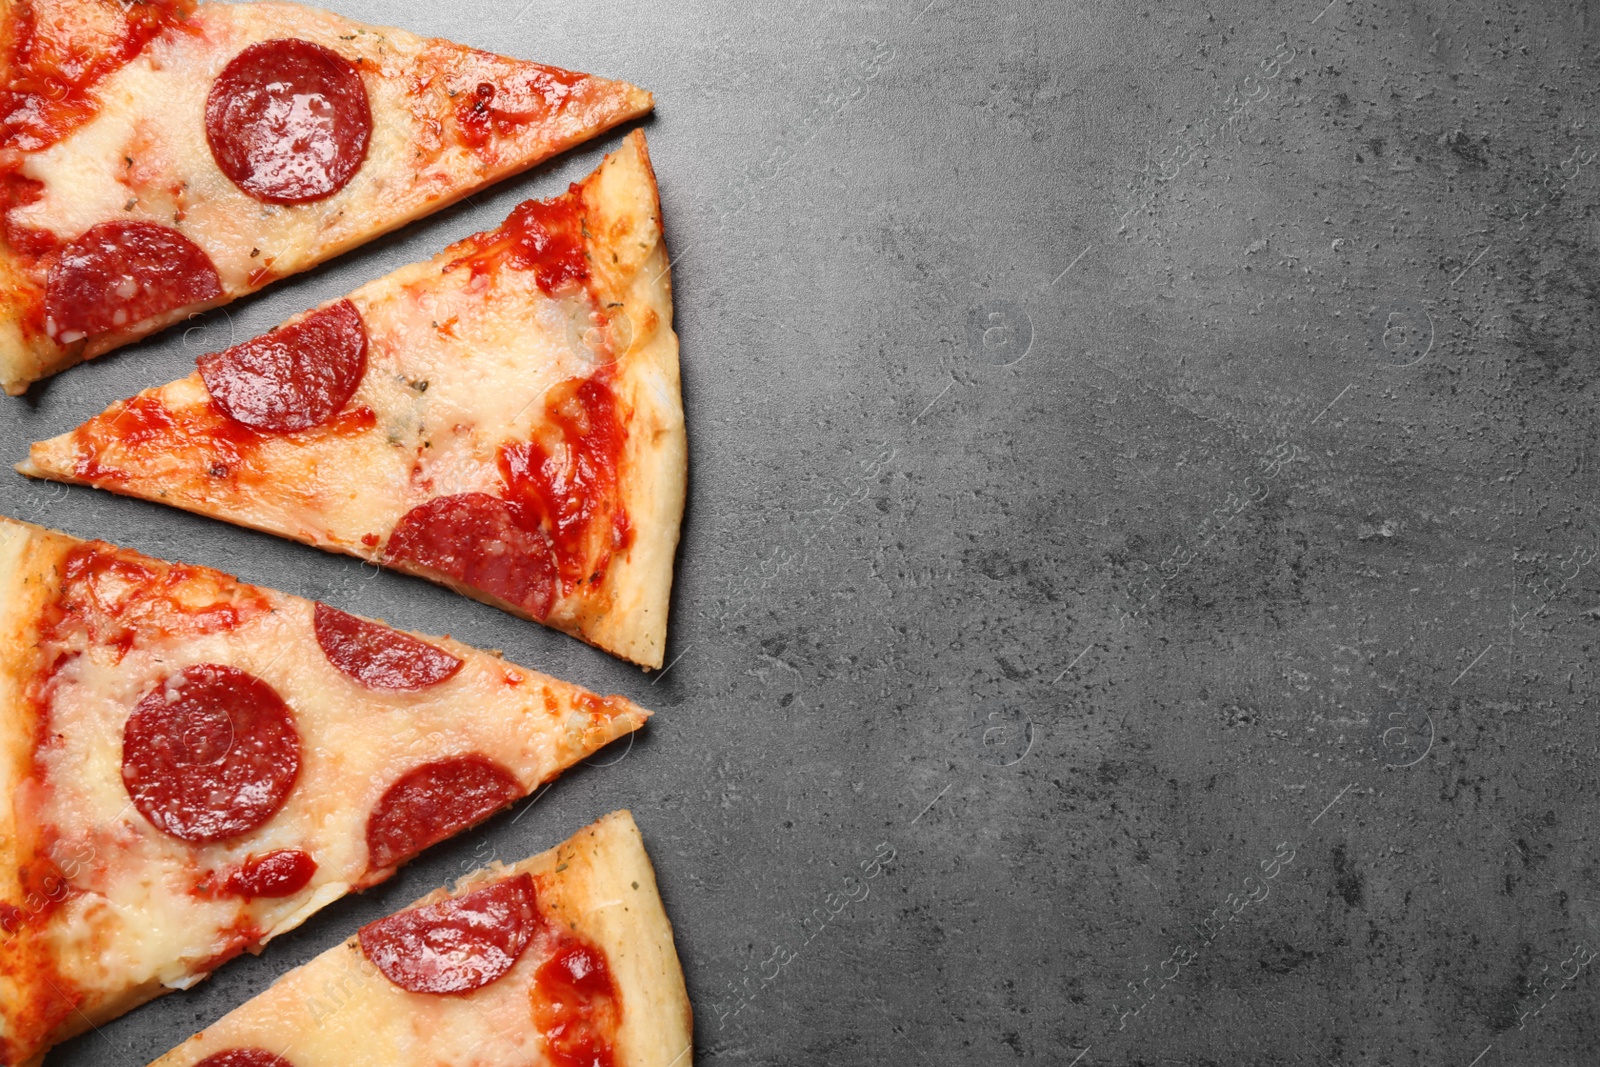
504, 419
191, 766
562, 960
162, 157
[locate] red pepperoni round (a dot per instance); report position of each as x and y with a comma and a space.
378, 657
209, 754
474, 539
433, 802
244, 1057
456, 945
295, 377
277, 874
119, 274
288, 121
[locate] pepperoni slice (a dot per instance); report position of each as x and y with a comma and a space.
295, 377
433, 802
119, 274
209, 754
277, 874
378, 657
289, 121
474, 539
244, 1057
456, 945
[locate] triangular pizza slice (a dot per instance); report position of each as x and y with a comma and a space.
162, 157
504, 419
562, 960
191, 766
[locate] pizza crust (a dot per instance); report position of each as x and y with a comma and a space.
25, 586
339, 1009
22, 590
23, 359
608, 892
655, 465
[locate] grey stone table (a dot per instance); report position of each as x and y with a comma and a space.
1137, 598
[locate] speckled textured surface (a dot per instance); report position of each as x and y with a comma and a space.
1138, 593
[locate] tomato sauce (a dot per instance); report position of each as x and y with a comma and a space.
535, 92
49, 74
545, 237
50, 999
565, 479
49, 80
114, 598
144, 427
576, 1005
277, 874
17, 191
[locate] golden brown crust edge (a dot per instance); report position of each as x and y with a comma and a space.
609, 892
638, 588
21, 362
25, 587
21, 596
600, 879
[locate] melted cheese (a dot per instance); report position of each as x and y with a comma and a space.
457, 366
